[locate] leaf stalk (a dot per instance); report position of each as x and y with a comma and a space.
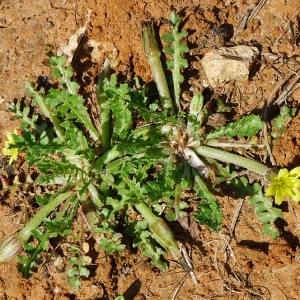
227, 157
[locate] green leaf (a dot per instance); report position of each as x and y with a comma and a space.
267, 214
270, 216
150, 249
273, 232
174, 18
123, 117
245, 127
169, 49
42, 200
30, 89
61, 227
240, 185
183, 48
280, 123
262, 206
84, 272
57, 60
168, 37
209, 212
205, 216
71, 107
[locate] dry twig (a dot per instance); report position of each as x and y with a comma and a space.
179, 287
279, 85
266, 141
233, 224
252, 14
189, 263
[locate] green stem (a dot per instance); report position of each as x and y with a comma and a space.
177, 77
53, 118
232, 144
178, 192
95, 195
105, 112
35, 222
107, 157
66, 80
46, 237
153, 53
233, 159
38, 250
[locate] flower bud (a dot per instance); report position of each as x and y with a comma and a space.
10, 247
164, 236
89, 212
196, 105
148, 39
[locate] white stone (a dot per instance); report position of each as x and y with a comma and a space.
226, 64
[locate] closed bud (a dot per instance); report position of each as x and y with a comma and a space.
164, 236
148, 39
89, 211
196, 105
10, 247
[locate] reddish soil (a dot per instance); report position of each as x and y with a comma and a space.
252, 266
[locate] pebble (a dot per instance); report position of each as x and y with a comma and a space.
228, 63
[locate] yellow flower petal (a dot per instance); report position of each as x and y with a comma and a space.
297, 184
286, 184
296, 196
14, 155
270, 190
283, 173
12, 152
296, 171
279, 197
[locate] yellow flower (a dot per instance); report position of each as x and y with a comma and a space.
285, 184
12, 152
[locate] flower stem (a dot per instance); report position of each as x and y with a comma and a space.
152, 54
232, 144
232, 158
34, 223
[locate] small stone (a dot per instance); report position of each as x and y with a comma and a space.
226, 64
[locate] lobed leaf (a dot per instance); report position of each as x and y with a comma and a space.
245, 127
280, 123
267, 214
209, 213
